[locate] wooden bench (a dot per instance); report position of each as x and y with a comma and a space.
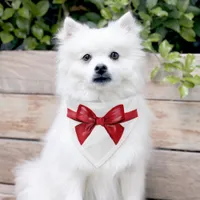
27, 108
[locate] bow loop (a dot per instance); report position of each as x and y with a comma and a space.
84, 114
115, 115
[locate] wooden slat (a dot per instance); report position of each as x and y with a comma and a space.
30, 116
34, 72
12, 152
172, 175
6, 197
6, 192
26, 116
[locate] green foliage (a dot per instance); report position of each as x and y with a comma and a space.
170, 26
178, 70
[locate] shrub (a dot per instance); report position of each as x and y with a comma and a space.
29, 24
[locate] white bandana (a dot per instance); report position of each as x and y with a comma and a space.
99, 146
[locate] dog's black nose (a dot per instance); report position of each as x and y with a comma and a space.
101, 69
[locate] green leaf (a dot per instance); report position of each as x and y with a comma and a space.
193, 9
19, 33
136, 3
151, 3
173, 24
59, 1
155, 37
1, 9
92, 16
185, 22
7, 27
46, 40
24, 12
148, 46
165, 48
42, 8
31, 6
23, 24
145, 33
178, 64
175, 14
197, 26
182, 5
6, 37
190, 16
169, 67
171, 79
102, 23
42, 25
154, 72
173, 56
171, 2
188, 34
16, 4
195, 80
54, 28
189, 63
145, 17
30, 43
162, 31
188, 84
183, 90
105, 12
159, 12
97, 3
37, 31
8, 13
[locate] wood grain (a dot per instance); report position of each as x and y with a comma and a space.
26, 116
30, 116
6, 192
12, 153
34, 72
172, 175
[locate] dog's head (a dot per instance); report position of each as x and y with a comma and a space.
100, 64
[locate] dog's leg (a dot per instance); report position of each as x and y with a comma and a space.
132, 183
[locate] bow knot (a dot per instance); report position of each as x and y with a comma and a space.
100, 121
111, 121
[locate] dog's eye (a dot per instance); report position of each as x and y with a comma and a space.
86, 57
114, 55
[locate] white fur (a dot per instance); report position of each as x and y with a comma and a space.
61, 172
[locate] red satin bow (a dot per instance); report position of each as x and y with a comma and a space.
111, 121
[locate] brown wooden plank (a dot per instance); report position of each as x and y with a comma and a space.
6, 192
172, 175
30, 116
34, 72
26, 116
13, 152
7, 197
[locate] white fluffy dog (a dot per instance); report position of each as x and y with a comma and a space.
94, 65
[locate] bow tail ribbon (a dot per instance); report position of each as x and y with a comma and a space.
115, 131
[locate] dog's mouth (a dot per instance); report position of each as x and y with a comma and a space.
102, 79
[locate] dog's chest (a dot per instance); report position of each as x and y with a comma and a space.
100, 145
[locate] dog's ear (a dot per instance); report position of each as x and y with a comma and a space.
128, 22
70, 27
